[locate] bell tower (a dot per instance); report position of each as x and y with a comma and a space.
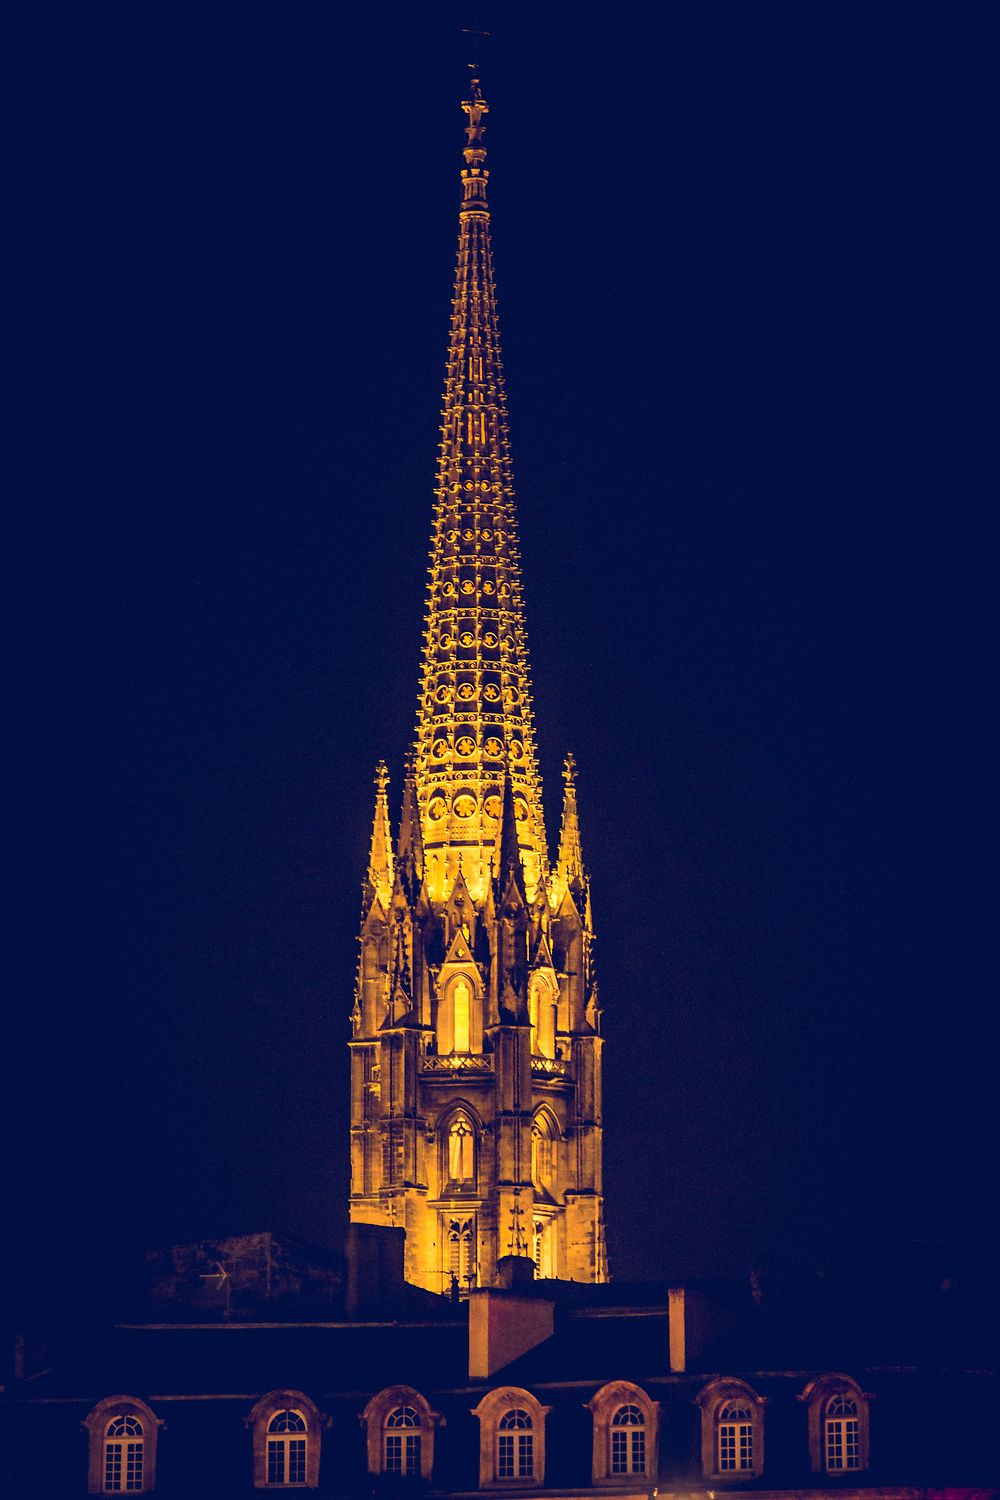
476, 1046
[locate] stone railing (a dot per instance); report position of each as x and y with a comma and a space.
457, 1062
551, 1067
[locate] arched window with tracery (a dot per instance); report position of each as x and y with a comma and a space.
542, 1017
732, 1430
511, 1438
462, 1153
838, 1424
544, 1133
625, 1432
400, 1427
461, 1252
286, 1449
286, 1429
122, 1432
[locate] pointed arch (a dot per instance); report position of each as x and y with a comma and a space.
543, 1002
545, 1136
460, 1012
459, 1132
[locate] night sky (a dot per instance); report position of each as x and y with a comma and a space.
746, 301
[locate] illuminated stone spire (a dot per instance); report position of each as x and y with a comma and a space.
569, 865
380, 873
475, 1033
474, 719
410, 852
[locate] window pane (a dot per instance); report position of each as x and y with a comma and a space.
505, 1456
525, 1454
638, 1451
112, 1466
275, 1461
297, 1461
133, 1466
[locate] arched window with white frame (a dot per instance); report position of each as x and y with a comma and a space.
626, 1424
123, 1455
515, 1445
401, 1442
286, 1449
286, 1430
400, 1426
732, 1430
122, 1433
511, 1438
628, 1441
841, 1434
838, 1420
734, 1438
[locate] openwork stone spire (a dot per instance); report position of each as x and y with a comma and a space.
380, 872
474, 720
475, 1032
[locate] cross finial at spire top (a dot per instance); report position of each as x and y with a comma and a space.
569, 769
381, 775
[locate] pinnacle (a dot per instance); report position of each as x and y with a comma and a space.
380, 870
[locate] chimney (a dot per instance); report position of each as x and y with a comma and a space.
506, 1321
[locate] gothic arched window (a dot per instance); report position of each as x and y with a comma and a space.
462, 1152
122, 1432
461, 1251
542, 1017
461, 997
732, 1430
542, 1153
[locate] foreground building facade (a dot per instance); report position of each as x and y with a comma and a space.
303, 1370
476, 1047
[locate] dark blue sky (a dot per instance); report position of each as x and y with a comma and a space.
748, 303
